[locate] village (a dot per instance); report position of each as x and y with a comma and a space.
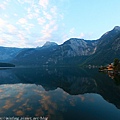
112, 67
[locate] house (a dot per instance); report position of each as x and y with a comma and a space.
110, 67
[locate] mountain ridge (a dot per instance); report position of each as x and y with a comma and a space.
108, 48
74, 51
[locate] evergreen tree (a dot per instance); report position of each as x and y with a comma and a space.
116, 62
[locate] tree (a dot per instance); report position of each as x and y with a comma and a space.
116, 62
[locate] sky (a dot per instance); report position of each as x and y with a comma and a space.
30, 23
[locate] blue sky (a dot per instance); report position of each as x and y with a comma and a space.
30, 23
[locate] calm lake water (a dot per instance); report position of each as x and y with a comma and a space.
59, 94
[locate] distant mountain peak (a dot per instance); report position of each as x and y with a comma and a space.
75, 39
48, 44
117, 28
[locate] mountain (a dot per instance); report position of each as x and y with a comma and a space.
8, 53
49, 44
108, 48
74, 52
77, 47
53, 54
34, 56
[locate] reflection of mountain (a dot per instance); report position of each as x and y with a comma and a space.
72, 80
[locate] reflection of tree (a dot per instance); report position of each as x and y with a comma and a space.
111, 74
114, 76
117, 79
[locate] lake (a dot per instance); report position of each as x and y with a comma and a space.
59, 94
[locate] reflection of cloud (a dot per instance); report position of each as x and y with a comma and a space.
1, 111
8, 104
26, 102
37, 101
72, 102
82, 97
29, 109
45, 101
19, 95
1, 90
19, 113
39, 112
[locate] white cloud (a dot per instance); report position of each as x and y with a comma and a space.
30, 16
28, 27
47, 32
2, 22
82, 35
53, 11
38, 22
2, 6
15, 14
10, 35
41, 21
22, 21
44, 3
25, 1
85, 35
6, 16
47, 15
1, 41
72, 30
11, 28
37, 10
33, 12
48, 27
17, 40
21, 37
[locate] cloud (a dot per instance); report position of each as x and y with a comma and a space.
2, 6
25, 1
82, 35
48, 31
11, 28
44, 3
72, 30
22, 21
6, 16
41, 21
11, 34
2, 22
47, 15
32, 24
53, 11
15, 14
1, 41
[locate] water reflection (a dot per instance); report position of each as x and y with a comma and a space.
114, 76
58, 93
32, 100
